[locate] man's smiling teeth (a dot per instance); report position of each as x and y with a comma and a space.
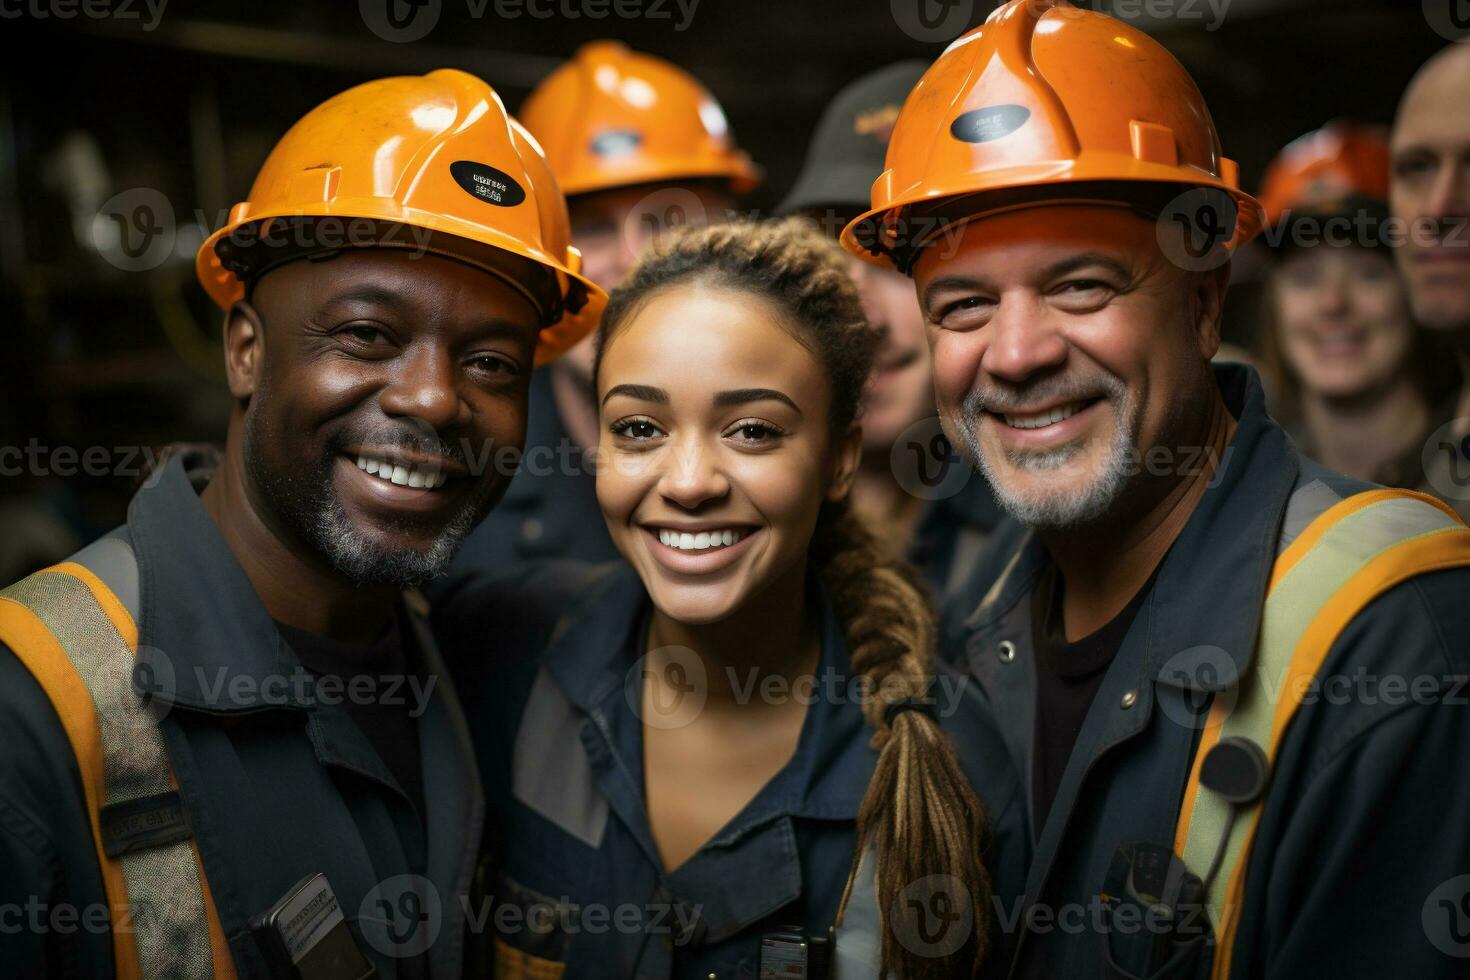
1036, 420
404, 476
702, 541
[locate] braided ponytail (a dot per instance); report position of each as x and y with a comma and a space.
919, 816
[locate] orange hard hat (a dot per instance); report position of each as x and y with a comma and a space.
1046, 103
611, 117
1343, 159
428, 163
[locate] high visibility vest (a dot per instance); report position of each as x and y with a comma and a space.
74, 627
1351, 554
1345, 558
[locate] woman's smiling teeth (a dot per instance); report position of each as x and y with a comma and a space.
1036, 420
699, 541
405, 476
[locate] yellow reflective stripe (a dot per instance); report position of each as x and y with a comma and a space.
1325, 521
1320, 525
1207, 740
111, 607
37, 648
1341, 542
1349, 555
1429, 552
1436, 550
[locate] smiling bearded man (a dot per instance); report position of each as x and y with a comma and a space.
1156, 645
227, 727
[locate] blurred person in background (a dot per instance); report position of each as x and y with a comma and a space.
1357, 383
636, 144
921, 498
1430, 193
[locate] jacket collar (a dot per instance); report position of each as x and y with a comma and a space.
212, 647
206, 640
204, 632
752, 867
592, 658
1210, 588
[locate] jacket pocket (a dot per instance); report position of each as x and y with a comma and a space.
513, 964
532, 932
1154, 926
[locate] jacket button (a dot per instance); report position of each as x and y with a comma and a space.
532, 529
1007, 651
1130, 698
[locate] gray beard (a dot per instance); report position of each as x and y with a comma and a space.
1070, 506
364, 563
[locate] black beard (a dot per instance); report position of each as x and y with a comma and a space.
307, 503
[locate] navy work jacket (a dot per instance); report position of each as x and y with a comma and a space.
277, 784
1361, 860
576, 877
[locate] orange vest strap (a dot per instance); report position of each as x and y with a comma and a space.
1353, 552
66, 626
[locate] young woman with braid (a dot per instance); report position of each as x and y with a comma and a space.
739, 741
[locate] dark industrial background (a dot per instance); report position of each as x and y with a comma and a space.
106, 354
